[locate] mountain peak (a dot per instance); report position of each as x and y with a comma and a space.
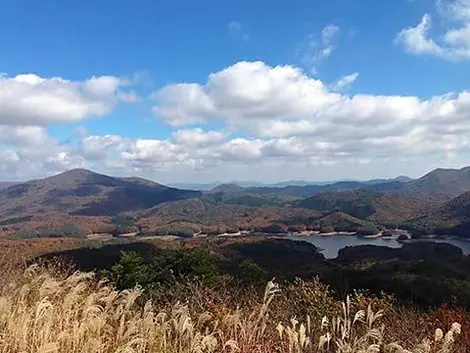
77, 172
84, 192
228, 188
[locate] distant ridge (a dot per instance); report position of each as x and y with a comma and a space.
282, 184
439, 185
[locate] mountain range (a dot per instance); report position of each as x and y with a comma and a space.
438, 201
251, 184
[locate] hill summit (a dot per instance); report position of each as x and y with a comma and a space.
84, 192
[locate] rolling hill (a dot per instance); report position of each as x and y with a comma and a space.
453, 217
363, 204
82, 192
81, 197
306, 190
342, 222
440, 184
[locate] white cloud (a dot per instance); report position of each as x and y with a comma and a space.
197, 137
236, 31
416, 41
345, 82
100, 147
154, 153
23, 135
32, 100
454, 44
329, 33
243, 93
195, 105
23, 162
314, 50
276, 122
296, 115
457, 10
129, 97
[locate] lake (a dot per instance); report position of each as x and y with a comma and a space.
330, 245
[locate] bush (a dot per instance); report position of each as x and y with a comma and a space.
182, 232
123, 225
162, 270
249, 271
274, 228
367, 230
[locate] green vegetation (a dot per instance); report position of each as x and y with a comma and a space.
251, 272
15, 220
274, 228
338, 221
411, 273
159, 273
67, 230
123, 224
181, 232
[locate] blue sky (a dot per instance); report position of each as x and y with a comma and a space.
402, 60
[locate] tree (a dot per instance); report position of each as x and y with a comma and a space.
251, 272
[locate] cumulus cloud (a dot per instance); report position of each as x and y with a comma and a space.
274, 121
29, 99
197, 137
345, 82
315, 49
23, 135
99, 148
244, 93
296, 115
453, 44
23, 162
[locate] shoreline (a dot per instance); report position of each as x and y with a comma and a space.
304, 234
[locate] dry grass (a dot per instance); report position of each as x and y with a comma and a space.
19, 250
45, 312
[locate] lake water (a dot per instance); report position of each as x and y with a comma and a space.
330, 245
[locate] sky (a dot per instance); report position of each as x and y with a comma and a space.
200, 91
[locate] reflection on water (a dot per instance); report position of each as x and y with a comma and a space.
330, 245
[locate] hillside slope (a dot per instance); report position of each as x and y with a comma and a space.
439, 185
363, 204
83, 192
453, 217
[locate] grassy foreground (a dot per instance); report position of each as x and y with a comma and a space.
44, 311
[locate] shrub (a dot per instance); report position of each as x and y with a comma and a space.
249, 271
367, 230
274, 228
162, 270
123, 224
181, 232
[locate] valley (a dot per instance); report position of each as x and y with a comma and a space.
80, 202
